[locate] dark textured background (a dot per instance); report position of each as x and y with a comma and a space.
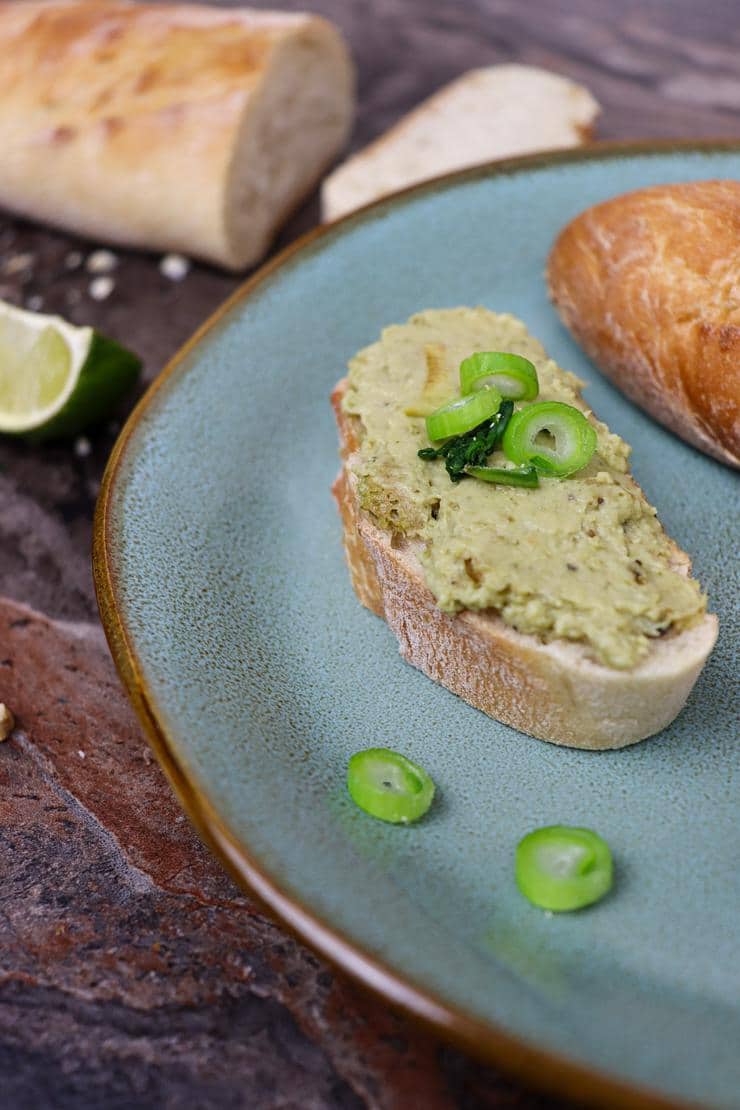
132, 972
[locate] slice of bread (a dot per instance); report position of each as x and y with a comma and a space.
550, 690
489, 113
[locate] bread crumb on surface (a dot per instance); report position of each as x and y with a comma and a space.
101, 262
7, 721
174, 266
101, 287
83, 447
18, 263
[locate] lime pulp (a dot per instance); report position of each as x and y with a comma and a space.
55, 378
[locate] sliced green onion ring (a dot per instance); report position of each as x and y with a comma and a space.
570, 442
512, 375
505, 476
561, 868
388, 786
463, 414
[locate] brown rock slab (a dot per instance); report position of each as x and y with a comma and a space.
133, 971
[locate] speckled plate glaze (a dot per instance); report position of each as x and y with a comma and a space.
256, 673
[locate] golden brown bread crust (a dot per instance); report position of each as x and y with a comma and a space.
551, 691
168, 126
649, 285
361, 568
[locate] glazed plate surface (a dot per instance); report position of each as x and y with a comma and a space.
256, 672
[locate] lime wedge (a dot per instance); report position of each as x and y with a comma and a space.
55, 378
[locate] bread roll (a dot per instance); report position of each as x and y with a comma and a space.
649, 285
168, 126
488, 113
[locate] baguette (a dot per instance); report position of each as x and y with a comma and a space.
168, 126
488, 113
552, 690
649, 285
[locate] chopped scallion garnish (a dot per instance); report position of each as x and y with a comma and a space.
473, 448
505, 476
388, 786
464, 414
512, 375
555, 438
562, 868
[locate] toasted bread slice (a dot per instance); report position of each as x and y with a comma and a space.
553, 691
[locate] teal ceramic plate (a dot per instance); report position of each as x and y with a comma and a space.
230, 614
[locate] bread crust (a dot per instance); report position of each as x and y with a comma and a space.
168, 126
649, 285
551, 691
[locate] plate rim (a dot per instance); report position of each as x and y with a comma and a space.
534, 1066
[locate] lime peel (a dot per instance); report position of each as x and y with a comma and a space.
56, 378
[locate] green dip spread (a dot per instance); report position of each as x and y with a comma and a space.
582, 558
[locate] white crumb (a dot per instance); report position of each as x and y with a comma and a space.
83, 447
101, 262
34, 303
80, 753
18, 263
73, 260
101, 287
174, 266
7, 721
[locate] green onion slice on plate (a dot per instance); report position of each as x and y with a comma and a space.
388, 786
512, 375
554, 437
562, 868
505, 476
463, 414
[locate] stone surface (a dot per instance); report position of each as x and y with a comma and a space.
132, 972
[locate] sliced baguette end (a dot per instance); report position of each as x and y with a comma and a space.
487, 113
290, 133
169, 127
